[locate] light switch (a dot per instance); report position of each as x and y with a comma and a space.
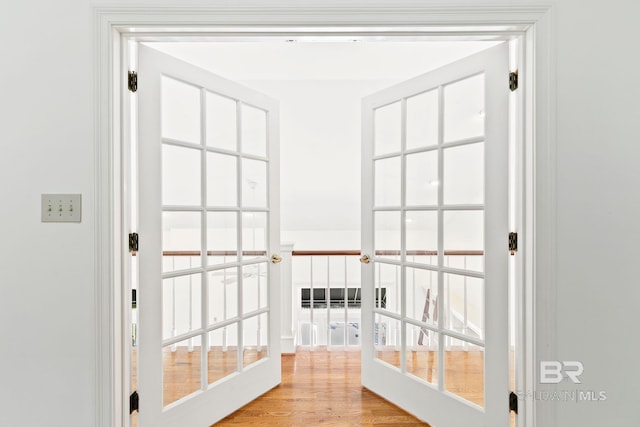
61, 207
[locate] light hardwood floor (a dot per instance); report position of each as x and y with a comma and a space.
323, 387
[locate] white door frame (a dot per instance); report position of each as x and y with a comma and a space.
532, 24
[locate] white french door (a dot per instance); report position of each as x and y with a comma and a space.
209, 235
434, 239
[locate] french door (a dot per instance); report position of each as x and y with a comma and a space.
434, 239
209, 235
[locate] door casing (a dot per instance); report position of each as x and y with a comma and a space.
534, 136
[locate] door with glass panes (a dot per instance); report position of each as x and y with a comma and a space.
434, 241
209, 234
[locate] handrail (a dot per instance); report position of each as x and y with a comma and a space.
354, 252
210, 253
357, 252
326, 253
213, 253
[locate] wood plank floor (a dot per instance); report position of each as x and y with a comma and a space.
320, 388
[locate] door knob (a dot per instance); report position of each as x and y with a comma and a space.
365, 259
276, 259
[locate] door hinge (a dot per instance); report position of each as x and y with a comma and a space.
513, 402
133, 81
134, 402
513, 243
513, 80
134, 298
133, 242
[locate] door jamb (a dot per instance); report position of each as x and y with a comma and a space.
537, 156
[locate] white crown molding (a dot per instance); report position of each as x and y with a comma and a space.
335, 13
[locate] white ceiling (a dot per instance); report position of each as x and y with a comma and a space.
281, 60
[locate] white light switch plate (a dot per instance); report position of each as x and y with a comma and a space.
61, 207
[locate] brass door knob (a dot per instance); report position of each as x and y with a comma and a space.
276, 259
365, 259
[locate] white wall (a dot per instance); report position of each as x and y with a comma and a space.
47, 365
320, 159
598, 206
47, 271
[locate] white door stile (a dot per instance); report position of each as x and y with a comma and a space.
366, 220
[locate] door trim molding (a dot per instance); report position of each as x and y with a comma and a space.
534, 22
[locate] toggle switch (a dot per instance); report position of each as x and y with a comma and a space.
61, 207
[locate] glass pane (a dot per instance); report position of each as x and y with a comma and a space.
181, 370
180, 105
422, 178
464, 174
422, 237
222, 182
254, 287
422, 120
223, 295
387, 182
318, 268
422, 353
255, 339
181, 240
387, 129
254, 235
464, 370
221, 122
464, 239
386, 340
307, 332
254, 183
223, 352
337, 333
222, 237
422, 295
387, 234
254, 131
181, 305
388, 293
464, 109
181, 178
464, 305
